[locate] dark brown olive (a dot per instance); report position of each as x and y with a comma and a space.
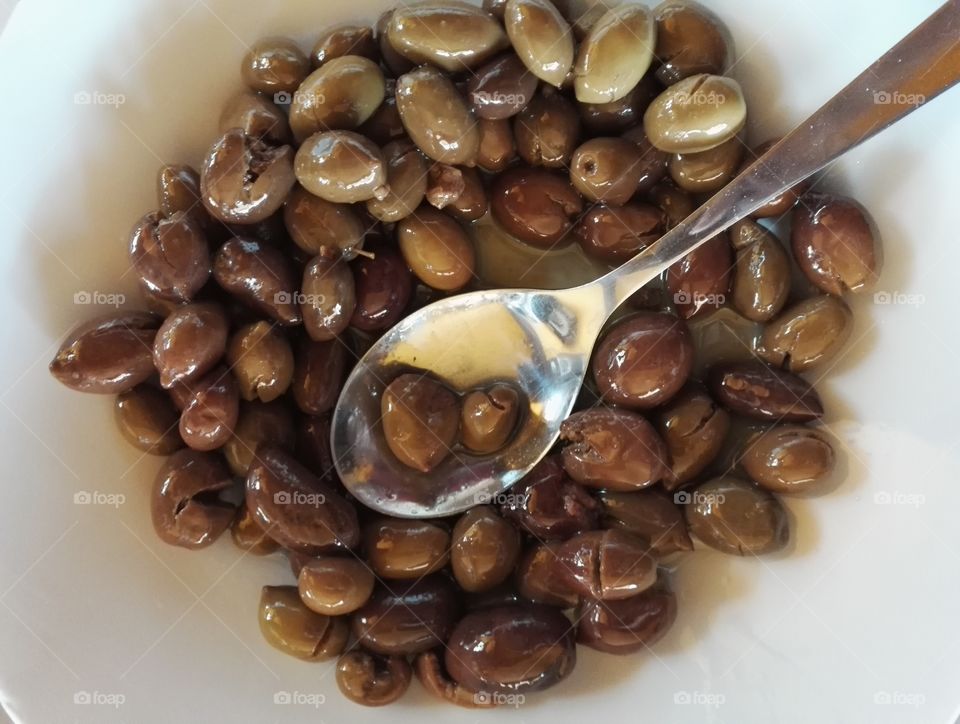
445, 185
210, 414
649, 514
547, 130
835, 244
785, 201
734, 516
294, 629
107, 355
609, 119
653, 161
421, 420
407, 178
297, 509
495, 8
761, 279
248, 536
190, 342
748, 232
170, 256
502, 88
318, 372
690, 40
700, 282
549, 505
342, 167
275, 65
371, 680
616, 234
178, 190
707, 171
411, 618
502, 595
629, 625
185, 504
148, 420
643, 361
384, 287
257, 117
385, 124
328, 298
485, 549
488, 418
789, 458
498, 146
394, 62
540, 579
810, 333
754, 390
399, 549
607, 565
518, 648
534, 205
323, 228
244, 180
675, 204
607, 170
437, 118
472, 204
694, 428
345, 40
437, 249
258, 423
261, 359
260, 276
335, 586
435, 680
313, 444
612, 449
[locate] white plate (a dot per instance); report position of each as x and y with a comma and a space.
857, 624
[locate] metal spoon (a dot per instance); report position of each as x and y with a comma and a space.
541, 341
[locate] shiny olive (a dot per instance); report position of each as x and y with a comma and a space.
407, 174
502, 88
549, 505
421, 420
620, 116
275, 65
616, 234
653, 161
583, 14
435, 680
244, 180
761, 279
185, 504
547, 131
748, 232
248, 536
810, 333
788, 458
342, 94
501, 595
318, 373
734, 516
498, 146
835, 244
437, 118
371, 680
643, 361
294, 629
495, 7
607, 565
675, 204
107, 355
541, 38
615, 55
335, 586
394, 62
754, 390
607, 170
445, 185
261, 359
534, 205
437, 249
400, 549
519, 648
700, 282
190, 342
694, 428
345, 40
472, 204
649, 514
313, 444
697, 114
690, 40
385, 124
328, 298
258, 423
784, 202
210, 414
322, 227
257, 117
488, 418
178, 190
707, 171
540, 579
259, 275
629, 625
384, 287
148, 420
484, 549
342, 167
300, 511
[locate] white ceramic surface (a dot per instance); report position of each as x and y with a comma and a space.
100, 622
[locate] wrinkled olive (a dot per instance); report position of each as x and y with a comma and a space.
690, 40
498, 146
261, 359
248, 536
437, 249
626, 626
540, 579
649, 514
617, 234
615, 55
484, 550
541, 38
342, 94
211, 411
321, 227
318, 372
370, 680
335, 586
788, 458
607, 565
421, 420
148, 420
807, 334
547, 130
275, 65
694, 428
737, 517
437, 118
431, 676
184, 504
260, 276
534, 205
328, 298
399, 549
258, 423
345, 40
707, 171
294, 629
697, 114
700, 282
502, 88
761, 279
190, 342
342, 167
384, 287
407, 173
607, 170
489, 417
257, 117
754, 390
549, 505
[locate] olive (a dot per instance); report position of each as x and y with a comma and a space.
313, 444
547, 504
414, 617
606, 565
541, 38
649, 514
690, 40
395, 63
170, 255
445, 185
248, 536
328, 299
407, 173
643, 360
700, 282
345, 40
501, 595
540, 579
321, 227
335, 586
502, 88
400, 549
519, 648
148, 419
536, 206
261, 359
185, 504
260, 276
547, 130
342, 94
384, 287
615, 55
694, 428
616, 234
748, 232
453, 36
734, 516
781, 204
178, 190
421, 421
498, 145
761, 279
620, 116
371, 680
300, 511
472, 204
244, 180
675, 204
257, 117
275, 65
810, 333
707, 171
612, 449
318, 373
697, 114
385, 124
258, 423
488, 418
496, 8
629, 625
437, 249
835, 244
431, 676
107, 355
788, 458
210, 413
754, 390
437, 118
607, 170
190, 342
342, 167
484, 550
653, 162
294, 629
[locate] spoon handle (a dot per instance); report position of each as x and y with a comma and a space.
916, 70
